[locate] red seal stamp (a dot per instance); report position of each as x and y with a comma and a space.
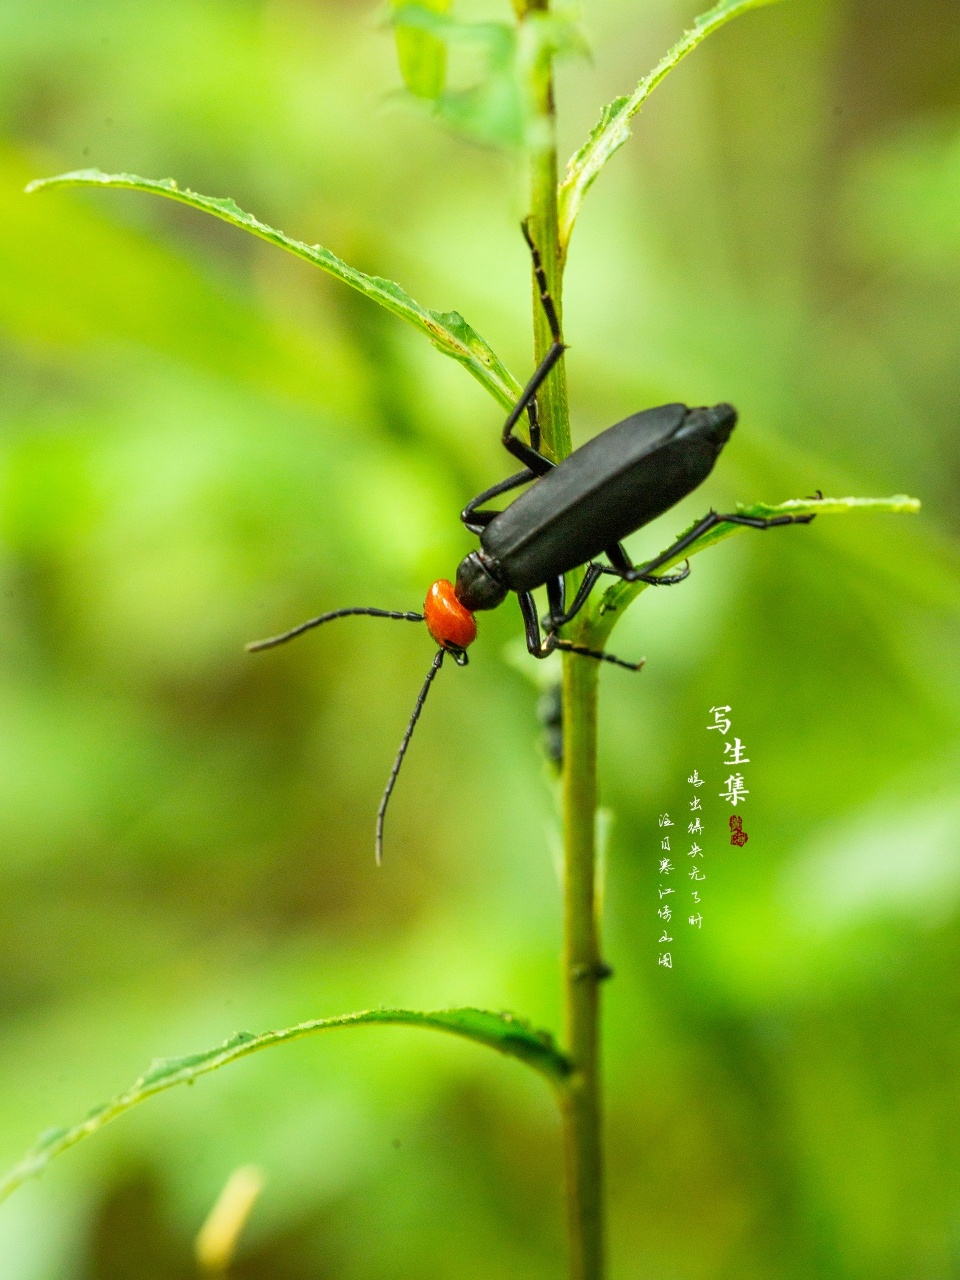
737, 834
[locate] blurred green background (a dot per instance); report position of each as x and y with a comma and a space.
203, 441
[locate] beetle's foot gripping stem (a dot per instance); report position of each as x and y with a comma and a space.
552, 641
668, 579
766, 522
654, 579
538, 648
547, 302
529, 454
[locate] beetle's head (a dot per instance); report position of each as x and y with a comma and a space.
451, 625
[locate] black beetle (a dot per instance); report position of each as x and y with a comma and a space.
572, 512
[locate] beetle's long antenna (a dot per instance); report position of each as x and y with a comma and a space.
391, 781
272, 641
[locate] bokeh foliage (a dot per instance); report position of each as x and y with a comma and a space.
203, 441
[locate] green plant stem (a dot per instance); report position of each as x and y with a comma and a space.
544, 226
552, 399
581, 1093
582, 1102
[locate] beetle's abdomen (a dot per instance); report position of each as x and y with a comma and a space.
614, 484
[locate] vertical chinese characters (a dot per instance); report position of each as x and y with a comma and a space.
676, 877
665, 958
695, 829
734, 754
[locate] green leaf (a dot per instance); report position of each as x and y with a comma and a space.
448, 331
74, 279
490, 108
613, 128
616, 598
498, 105
422, 54
500, 1031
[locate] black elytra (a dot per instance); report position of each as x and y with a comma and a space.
569, 514
608, 488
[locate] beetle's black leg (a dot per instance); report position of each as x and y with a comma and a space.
533, 420
560, 616
623, 567
543, 649
476, 520
548, 307
700, 528
710, 521
529, 454
531, 623
556, 601
619, 559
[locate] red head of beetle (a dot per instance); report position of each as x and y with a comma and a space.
450, 623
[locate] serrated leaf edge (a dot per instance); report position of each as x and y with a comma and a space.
448, 330
504, 1032
613, 128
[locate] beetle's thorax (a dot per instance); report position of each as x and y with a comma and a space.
478, 586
